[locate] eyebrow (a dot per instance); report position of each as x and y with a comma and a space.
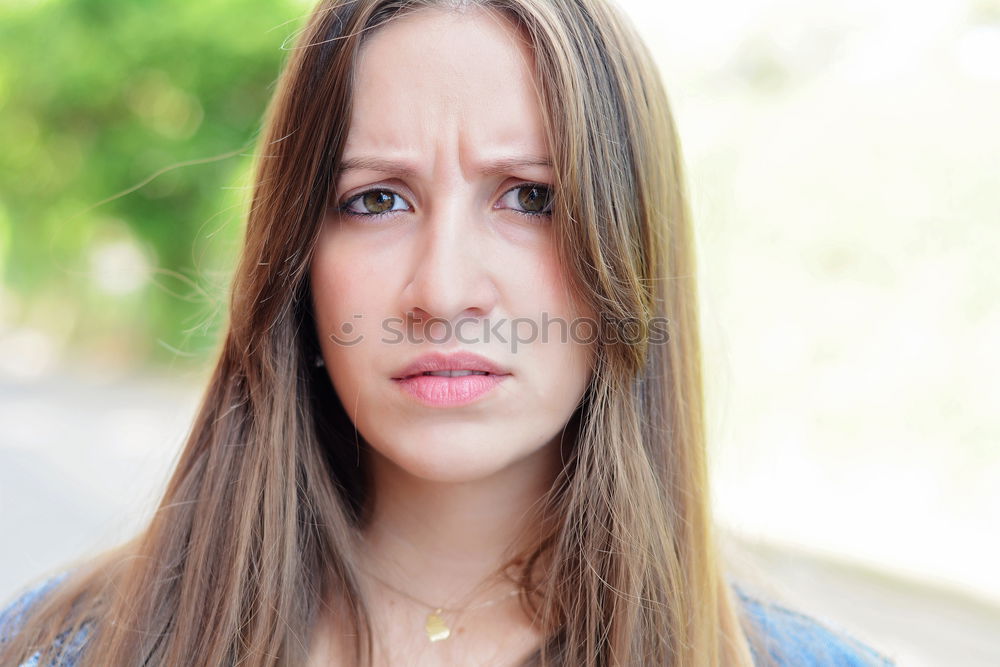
405, 169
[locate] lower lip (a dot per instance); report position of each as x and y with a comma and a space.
444, 392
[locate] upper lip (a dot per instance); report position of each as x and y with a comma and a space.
456, 361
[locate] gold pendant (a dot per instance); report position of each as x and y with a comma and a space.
435, 627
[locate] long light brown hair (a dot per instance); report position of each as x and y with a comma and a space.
258, 525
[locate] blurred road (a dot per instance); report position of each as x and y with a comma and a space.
82, 464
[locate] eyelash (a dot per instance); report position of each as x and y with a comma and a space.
345, 207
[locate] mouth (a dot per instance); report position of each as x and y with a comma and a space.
450, 388
448, 374
439, 380
453, 365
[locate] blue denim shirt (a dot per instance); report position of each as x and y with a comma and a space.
793, 639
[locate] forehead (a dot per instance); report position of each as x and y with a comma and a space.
438, 78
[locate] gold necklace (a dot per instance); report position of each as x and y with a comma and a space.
434, 626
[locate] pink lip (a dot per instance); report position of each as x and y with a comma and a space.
456, 361
440, 391
446, 392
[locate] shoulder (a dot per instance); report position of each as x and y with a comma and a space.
12, 618
793, 638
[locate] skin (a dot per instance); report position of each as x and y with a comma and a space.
446, 92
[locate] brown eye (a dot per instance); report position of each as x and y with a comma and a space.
374, 202
531, 199
534, 198
377, 201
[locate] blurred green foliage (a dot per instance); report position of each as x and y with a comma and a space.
96, 96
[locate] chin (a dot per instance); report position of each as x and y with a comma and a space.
452, 459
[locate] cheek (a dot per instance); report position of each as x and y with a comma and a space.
568, 350
342, 286
338, 292
552, 288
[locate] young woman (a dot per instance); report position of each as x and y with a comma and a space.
456, 418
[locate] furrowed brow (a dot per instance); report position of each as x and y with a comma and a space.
514, 163
371, 163
375, 164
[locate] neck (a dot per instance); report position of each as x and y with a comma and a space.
443, 542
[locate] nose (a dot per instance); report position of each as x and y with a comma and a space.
451, 277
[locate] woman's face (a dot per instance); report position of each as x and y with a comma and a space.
441, 242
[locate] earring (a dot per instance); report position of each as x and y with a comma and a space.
319, 361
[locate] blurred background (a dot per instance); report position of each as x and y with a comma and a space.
843, 167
